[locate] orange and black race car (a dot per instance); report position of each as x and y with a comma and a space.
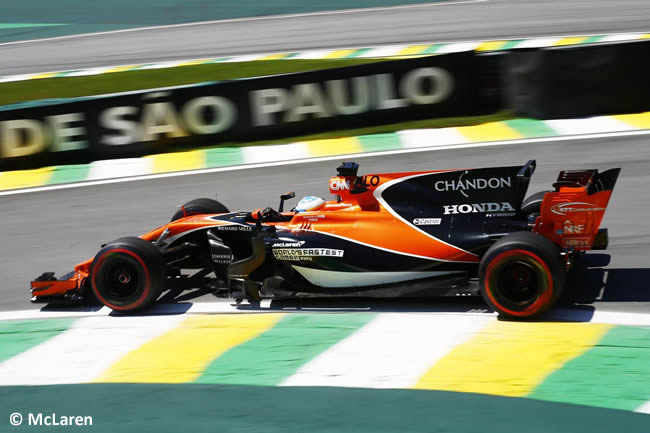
444, 232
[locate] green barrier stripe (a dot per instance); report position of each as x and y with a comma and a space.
17, 336
432, 49
614, 374
357, 53
511, 44
380, 142
593, 39
69, 173
279, 352
531, 128
223, 156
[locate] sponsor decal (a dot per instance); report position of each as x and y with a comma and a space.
571, 228
288, 244
492, 209
160, 115
234, 228
464, 184
366, 181
577, 243
427, 221
338, 184
307, 254
421, 86
565, 208
223, 259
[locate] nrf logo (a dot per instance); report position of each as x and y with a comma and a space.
454, 209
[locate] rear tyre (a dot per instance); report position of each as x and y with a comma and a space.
533, 204
199, 206
128, 274
521, 275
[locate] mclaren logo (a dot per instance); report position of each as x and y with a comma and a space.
464, 184
565, 208
288, 244
454, 209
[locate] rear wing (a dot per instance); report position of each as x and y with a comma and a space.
570, 215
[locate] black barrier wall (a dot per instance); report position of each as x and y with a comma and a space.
139, 123
578, 81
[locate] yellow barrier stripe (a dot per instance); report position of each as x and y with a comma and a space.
574, 40
177, 161
120, 69
640, 120
194, 62
412, 50
491, 45
511, 358
646, 36
25, 178
182, 354
275, 56
339, 54
44, 75
335, 146
492, 131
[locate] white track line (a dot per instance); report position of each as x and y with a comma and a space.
261, 18
84, 351
392, 351
645, 408
329, 158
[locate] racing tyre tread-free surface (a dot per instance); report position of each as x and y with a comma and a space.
199, 206
533, 203
522, 275
128, 274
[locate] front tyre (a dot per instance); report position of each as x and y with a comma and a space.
199, 206
128, 274
521, 275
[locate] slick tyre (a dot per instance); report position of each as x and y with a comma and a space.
521, 275
533, 204
128, 274
199, 206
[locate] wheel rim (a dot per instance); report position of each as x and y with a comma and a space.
519, 284
122, 280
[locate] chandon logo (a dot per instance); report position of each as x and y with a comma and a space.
454, 209
464, 185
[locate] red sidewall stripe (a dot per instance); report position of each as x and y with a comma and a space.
546, 296
147, 287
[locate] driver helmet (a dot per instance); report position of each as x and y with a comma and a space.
309, 203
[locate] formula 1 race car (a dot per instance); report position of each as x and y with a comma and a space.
444, 232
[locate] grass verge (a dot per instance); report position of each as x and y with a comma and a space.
444, 122
70, 87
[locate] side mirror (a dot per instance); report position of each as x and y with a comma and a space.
284, 197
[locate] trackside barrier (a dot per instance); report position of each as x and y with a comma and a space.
578, 81
158, 120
